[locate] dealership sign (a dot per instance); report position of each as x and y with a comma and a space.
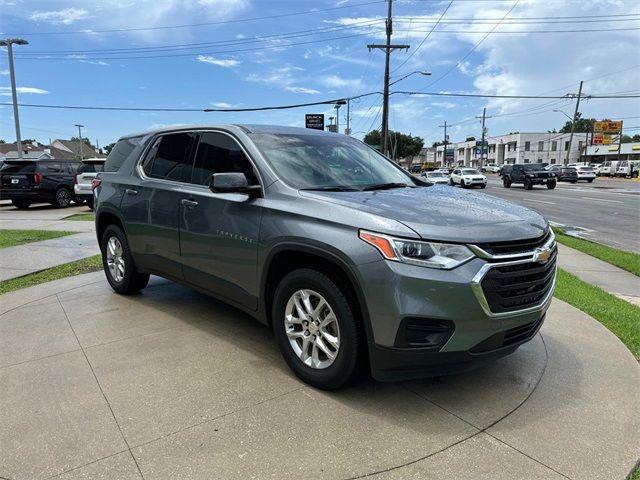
314, 121
607, 127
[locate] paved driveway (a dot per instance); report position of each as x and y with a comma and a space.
173, 384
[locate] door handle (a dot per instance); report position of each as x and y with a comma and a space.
131, 191
189, 203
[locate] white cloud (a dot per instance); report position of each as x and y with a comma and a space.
334, 81
4, 72
309, 91
6, 91
65, 17
225, 105
220, 62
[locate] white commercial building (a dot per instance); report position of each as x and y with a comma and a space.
515, 148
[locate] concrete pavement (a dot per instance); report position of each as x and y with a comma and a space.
173, 384
602, 274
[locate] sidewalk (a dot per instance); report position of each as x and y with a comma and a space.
601, 274
33, 257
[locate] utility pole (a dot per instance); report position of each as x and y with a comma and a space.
573, 123
9, 44
348, 130
387, 47
80, 138
444, 158
484, 116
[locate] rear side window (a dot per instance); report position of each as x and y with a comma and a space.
169, 157
120, 153
51, 167
90, 168
219, 153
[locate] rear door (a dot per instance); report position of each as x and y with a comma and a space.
151, 203
219, 232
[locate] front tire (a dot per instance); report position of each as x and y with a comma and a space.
316, 329
590, 180
451, 182
506, 182
118, 264
551, 185
62, 198
90, 202
528, 184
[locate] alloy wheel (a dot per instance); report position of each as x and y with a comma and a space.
63, 197
312, 329
115, 259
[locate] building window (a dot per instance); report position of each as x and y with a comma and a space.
553, 161
566, 146
539, 160
554, 146
540, 146
527, 146
526, 160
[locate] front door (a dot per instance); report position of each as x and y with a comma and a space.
219, 232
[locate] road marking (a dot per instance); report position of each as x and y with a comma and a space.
602, 200
539, 201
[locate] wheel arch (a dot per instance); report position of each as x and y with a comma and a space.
105, 218
288, 257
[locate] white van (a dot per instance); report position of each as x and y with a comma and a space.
609, 168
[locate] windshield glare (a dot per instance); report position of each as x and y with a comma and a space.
470, 171
327, 161
435, 174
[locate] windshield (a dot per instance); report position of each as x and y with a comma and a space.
532, 166
328, 162
470, 171
435, 174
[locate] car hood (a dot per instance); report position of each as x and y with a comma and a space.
445, 213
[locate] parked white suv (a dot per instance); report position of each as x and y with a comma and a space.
82, 179
467, 177
492, 167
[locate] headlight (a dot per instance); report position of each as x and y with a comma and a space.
425, 254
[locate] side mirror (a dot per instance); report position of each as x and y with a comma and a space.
233, 182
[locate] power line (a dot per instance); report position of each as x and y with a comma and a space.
475, 46
191, 25
511, 32
257, 39
425, 38
321, 102
510, 19
217, 52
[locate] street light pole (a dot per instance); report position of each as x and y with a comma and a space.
421, 72
80, 139
9, 44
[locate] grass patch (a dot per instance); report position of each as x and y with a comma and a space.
619, 316
82, 217
628, 261
11, 238
86, 265
635, 475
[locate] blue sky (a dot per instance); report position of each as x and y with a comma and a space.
255, 64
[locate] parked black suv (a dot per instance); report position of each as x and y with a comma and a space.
529, 174
565, 174
31, 181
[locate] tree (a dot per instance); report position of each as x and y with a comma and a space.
582, 125
109, 147
401, 145
470, 139
626, 139
437, 144
2, 141
373, 138
636, 137
84, 140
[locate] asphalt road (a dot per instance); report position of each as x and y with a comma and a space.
605, 211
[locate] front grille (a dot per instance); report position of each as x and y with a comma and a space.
515, 287
516, 246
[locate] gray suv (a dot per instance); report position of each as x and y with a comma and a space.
352, 261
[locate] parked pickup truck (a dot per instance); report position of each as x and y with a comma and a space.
528, 174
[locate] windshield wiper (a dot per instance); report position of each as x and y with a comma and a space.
385, 186
331, 189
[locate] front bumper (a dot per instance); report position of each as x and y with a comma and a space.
396, 292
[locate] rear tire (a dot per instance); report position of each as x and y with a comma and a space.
300, 343
506, 182
451, 182
62, 198
90, 203
20, 204
118, 264
528, 185
551, 185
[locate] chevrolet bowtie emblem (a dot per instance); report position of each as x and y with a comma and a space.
542, 255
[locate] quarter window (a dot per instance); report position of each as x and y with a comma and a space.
219, 153
169, 157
